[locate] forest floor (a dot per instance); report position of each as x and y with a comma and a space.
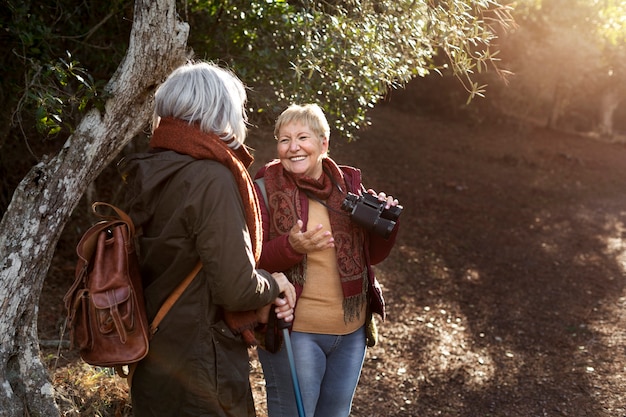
505, 291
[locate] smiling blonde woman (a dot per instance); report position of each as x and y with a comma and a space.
329, 260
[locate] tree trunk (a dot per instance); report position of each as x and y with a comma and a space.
609, 101
559, 101
46, 197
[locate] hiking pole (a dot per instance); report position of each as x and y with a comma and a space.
282, 324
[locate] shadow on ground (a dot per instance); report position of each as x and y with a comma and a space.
506, 289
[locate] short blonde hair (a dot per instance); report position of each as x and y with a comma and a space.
310, 114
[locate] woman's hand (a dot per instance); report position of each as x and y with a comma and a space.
283, 305
283, 311
384, 197
311, 240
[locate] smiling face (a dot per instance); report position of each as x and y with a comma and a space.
300, 150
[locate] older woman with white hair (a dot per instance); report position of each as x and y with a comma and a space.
194, 201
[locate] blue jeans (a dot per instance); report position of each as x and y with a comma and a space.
328, 369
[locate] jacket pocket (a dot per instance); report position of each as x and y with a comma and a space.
231, 368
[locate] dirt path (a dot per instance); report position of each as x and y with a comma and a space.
506, 290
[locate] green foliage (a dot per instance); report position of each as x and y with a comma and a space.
611, 36
58, 89
566, 55
47, 85
464, 31
344, 55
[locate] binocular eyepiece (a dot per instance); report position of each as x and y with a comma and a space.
369, 212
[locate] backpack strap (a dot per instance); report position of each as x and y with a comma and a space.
169, 302
261, 183
121, 215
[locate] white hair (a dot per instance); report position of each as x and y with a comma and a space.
206, 94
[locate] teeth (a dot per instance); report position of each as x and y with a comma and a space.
297, 158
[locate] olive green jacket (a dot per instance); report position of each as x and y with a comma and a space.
187, 210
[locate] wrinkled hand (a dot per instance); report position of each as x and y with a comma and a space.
384, 197
283, 310
283, 306
311, 240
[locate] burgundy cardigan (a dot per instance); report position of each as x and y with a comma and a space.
278, 255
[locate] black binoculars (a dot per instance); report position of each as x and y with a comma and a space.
368, 211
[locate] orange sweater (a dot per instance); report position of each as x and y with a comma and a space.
319, 308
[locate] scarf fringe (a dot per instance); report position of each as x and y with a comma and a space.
297, 273
352, 306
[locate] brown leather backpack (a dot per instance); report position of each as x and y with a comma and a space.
105, 305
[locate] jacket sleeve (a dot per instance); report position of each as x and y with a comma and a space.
379, 247
277, 254
223, 243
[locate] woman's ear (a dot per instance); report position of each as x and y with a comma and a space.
325, 144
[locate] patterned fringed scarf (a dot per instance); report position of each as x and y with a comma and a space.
283, 191
178, 135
